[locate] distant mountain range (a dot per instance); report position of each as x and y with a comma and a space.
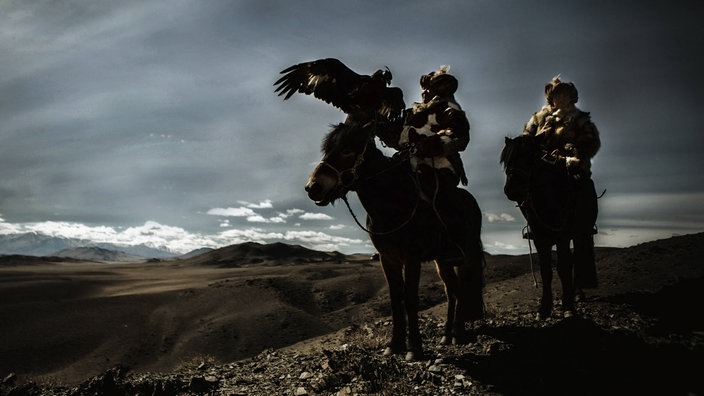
257, 253
98, 254
33, 244
39, 245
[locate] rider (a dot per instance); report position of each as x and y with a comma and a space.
436, 131
570, 139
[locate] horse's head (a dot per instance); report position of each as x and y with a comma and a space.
344, 150
518, 159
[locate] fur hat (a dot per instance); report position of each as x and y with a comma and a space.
557, 86
439, 82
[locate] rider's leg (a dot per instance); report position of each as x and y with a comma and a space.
586, 210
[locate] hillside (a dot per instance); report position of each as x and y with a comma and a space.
257, 253
317, 327
98, 254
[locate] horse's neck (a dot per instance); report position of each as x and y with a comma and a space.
386, 190
552, 198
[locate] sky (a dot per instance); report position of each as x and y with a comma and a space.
156, 122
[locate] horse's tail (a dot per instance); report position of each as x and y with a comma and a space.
476, 261
476, 308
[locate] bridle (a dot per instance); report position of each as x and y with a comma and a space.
342, 185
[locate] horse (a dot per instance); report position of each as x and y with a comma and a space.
542, 190
404, 229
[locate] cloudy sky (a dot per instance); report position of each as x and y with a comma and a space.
156, 122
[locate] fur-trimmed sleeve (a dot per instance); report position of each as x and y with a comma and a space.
587, 141
455, 125
536, 121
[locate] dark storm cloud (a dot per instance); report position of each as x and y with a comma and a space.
119, 113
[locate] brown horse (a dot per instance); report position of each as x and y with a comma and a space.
405, 231
542, 191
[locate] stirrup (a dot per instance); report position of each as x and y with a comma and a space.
527, 234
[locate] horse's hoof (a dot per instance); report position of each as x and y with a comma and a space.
463, 339
394, 349
412, 356
390, 351
544, 313
579, 296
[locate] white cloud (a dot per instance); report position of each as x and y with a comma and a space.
315, 216
257, 219
252, 216
316, 237
337, 227
232, 212
500, 246
289, 213
234, 236
266, 204
499, 218
71, 230
151, 234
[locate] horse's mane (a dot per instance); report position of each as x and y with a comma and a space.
350, 130
505, 153
517, 146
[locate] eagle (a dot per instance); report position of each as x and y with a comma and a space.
363, 98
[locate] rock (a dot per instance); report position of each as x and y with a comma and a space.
301, 391
10, 379
200, 384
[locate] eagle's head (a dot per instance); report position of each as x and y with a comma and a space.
383, 75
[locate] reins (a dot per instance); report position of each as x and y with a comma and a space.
530, 254
399, 227
355, 178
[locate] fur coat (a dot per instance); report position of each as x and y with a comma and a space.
571, 133
439, 130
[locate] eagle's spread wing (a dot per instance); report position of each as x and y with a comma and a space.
327, 79
332, 82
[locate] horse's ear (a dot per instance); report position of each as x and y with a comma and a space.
507, 139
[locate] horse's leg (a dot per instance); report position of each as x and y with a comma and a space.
584, 265
471, 277
564, 271
449, 279
415, 341
466, 301
545, 260
464, 284
393, 271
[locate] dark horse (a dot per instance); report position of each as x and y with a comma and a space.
543, 192
405, 230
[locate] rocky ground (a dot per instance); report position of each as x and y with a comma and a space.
640, 332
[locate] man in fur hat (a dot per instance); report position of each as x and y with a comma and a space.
570, 139
436, 130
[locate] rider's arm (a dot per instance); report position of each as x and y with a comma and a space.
455, 132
